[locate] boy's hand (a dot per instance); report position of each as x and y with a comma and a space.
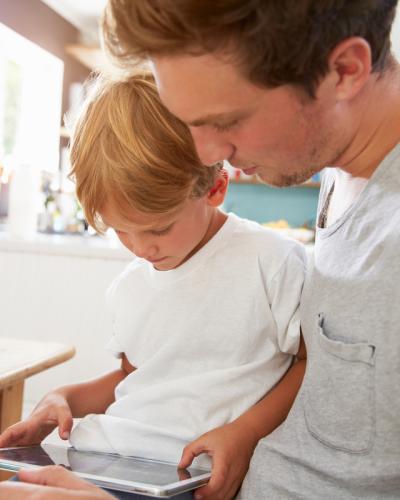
230, 447
51, 412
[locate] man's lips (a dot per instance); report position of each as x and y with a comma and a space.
249, 170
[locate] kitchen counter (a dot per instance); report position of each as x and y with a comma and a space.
67, 246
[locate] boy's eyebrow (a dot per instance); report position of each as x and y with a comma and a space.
159, 226
147, 227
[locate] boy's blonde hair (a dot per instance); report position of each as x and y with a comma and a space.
128, 148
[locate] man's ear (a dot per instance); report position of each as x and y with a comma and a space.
216, 194
351, 63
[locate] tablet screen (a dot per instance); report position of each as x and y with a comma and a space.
109, 469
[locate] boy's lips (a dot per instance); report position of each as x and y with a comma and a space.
155, 261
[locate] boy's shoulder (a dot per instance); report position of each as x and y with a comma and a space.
250, 244
265, 241
123, 282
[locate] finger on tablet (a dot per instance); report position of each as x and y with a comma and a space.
190, 452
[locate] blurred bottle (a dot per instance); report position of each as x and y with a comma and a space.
23, 202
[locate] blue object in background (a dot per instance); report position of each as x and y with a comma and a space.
262, 203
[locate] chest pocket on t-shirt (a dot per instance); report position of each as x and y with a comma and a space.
340, 400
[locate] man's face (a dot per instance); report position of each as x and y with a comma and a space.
279, 134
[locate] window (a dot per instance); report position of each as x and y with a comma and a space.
30, 102
396, 35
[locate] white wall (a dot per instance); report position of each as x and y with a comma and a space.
58, 298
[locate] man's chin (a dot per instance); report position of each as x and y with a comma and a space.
273, 177
281, 181
266, 178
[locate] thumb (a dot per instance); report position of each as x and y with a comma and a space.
190, 452
65, 423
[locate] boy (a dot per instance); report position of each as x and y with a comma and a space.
206, 318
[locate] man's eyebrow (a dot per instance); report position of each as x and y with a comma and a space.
204, 120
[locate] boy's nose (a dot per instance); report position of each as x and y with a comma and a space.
211, 148
143, 249
146, 253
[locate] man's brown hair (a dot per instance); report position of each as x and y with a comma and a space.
274, 42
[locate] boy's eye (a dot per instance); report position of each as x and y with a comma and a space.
161, 232
225, 126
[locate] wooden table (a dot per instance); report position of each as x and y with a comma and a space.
19, 359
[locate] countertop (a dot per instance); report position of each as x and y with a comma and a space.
66, 245
73, 246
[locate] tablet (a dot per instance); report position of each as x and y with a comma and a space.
129, 474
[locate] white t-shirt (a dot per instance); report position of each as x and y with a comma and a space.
209, 339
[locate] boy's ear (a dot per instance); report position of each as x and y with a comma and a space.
216, 194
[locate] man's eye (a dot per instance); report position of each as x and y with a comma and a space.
225, 126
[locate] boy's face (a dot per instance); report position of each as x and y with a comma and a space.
279, 134
166, 240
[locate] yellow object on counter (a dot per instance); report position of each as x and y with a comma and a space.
279, 224
298, 233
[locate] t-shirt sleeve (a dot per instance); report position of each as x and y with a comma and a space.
285, 291
115, 347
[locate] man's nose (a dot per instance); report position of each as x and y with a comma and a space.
211, 148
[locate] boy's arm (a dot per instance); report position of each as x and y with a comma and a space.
95, 396
58, 408
231, 446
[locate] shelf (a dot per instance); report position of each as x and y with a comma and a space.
92, 58
309, 185
250, 180
254, 180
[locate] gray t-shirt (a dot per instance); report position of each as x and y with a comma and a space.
341, 439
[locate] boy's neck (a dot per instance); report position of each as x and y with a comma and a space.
217, 220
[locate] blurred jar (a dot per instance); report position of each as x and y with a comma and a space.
23, 202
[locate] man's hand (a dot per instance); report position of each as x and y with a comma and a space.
50, 483
231, 448
51, 412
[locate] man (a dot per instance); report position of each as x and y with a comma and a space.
282, 90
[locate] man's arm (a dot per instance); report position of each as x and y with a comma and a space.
231, 446
51, 483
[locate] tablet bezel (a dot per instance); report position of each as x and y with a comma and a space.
147, 489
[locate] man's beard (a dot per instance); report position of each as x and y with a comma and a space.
293, 179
